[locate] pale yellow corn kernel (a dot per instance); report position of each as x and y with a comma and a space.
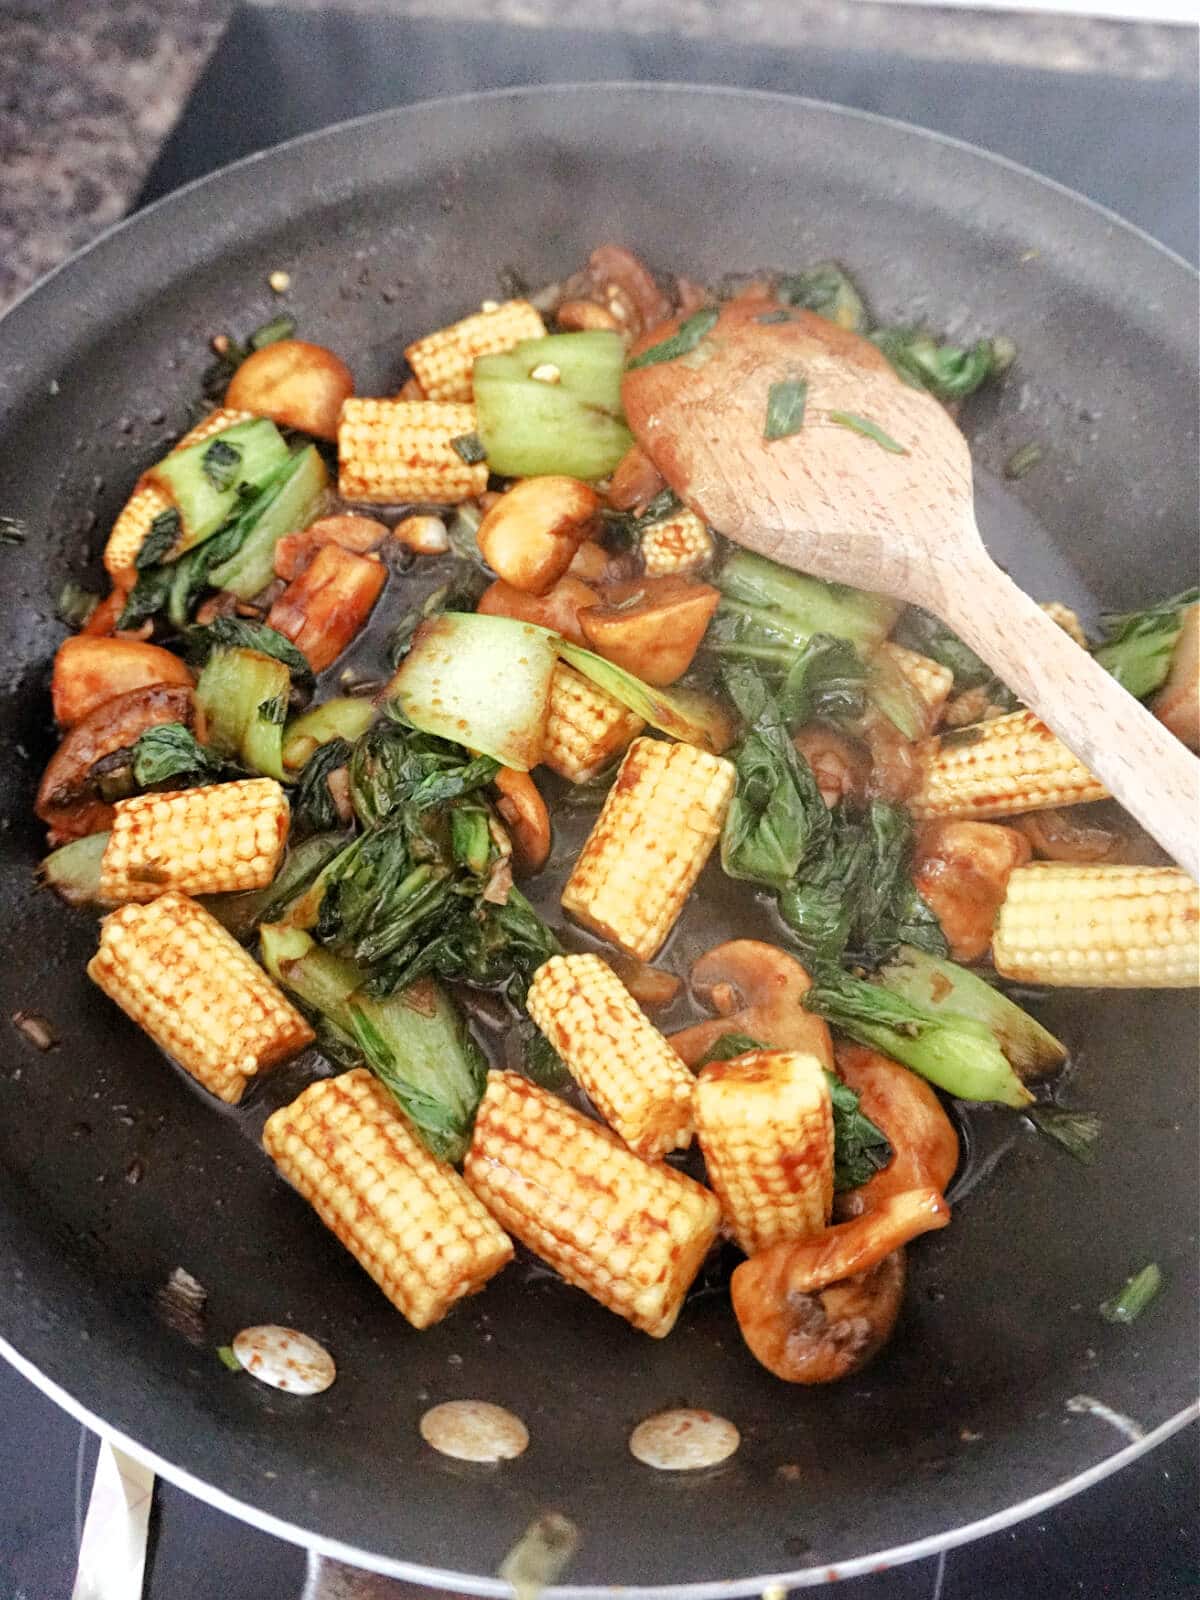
405, 1216
391, 451
631, 1074
629, 1233
1107, 927
444, 361
659, 823
930, 679
1012, 763
217, 839
765, 1124
1067, 620
147, 502
585, 727
679, 543
172, 967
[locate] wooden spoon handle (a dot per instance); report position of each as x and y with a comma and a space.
1153, 775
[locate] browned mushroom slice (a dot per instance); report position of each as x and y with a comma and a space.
758, 991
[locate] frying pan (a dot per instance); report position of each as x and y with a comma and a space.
389, 226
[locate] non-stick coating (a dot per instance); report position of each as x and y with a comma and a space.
388, 228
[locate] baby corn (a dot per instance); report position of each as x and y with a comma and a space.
443, 361
765, 1125
212, 840
1010, 764
172, 967
659, 823
1067, 620
585, 728
637, 1082
405, 1216
398, 450
1112, 927
679, 543
931, 680
148, 501
633, 1235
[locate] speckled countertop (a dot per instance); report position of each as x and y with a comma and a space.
90, 88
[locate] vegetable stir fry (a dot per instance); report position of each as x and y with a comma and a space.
414, 727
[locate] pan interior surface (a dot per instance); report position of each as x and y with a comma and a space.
390, 228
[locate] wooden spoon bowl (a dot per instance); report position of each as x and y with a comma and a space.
875, 489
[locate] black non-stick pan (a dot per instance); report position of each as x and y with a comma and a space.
972, 1417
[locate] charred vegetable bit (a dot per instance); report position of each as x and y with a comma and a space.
1078, 1132
414, 1042
1138, 645
860, 1149
1139, 1291
75, 604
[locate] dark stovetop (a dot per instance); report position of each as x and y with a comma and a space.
1128, 144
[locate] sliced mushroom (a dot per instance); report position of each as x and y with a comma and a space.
904, 1107
759, 991
526, 817
830, 1334
961, 870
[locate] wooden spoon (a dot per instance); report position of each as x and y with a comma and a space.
831, 501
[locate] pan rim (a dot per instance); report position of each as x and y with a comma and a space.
497, 1589
931, 1544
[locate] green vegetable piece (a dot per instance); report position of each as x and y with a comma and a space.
790, 607
170, 754
1139, 1291
918, 630
480, 681
892, 694
313, 807
575, 426
165, 533
73, 870
1078, 1132
543, 1064
946, 371
688, 335
1023, 461
957, 1053
221, 463
147, 597
828, 289
395, 768
785, 408
728, 1047
343, 717
468, 447
202, 507
75, 604
686, 714
414, 1042
244, 696
281, 327
1138, 645
227, 1358
943, 986
242, 912
295, 500
868, 429
240, 633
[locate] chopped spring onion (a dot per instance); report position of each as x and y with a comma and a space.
75, 604
1077, 1131
468, 447
227, 1358
868, 429
1139, 1291
785, 408
689, 334
1022, 461
281, 327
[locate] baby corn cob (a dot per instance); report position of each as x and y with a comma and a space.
637, 1082
1067, 620
931, 680
396, 450
148, 501
631, 1234
405, 1216
1111, 927
1010, 764
679, 543
171, 966
211, 840
443, 361
585, 728
765, 1123
660, 820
